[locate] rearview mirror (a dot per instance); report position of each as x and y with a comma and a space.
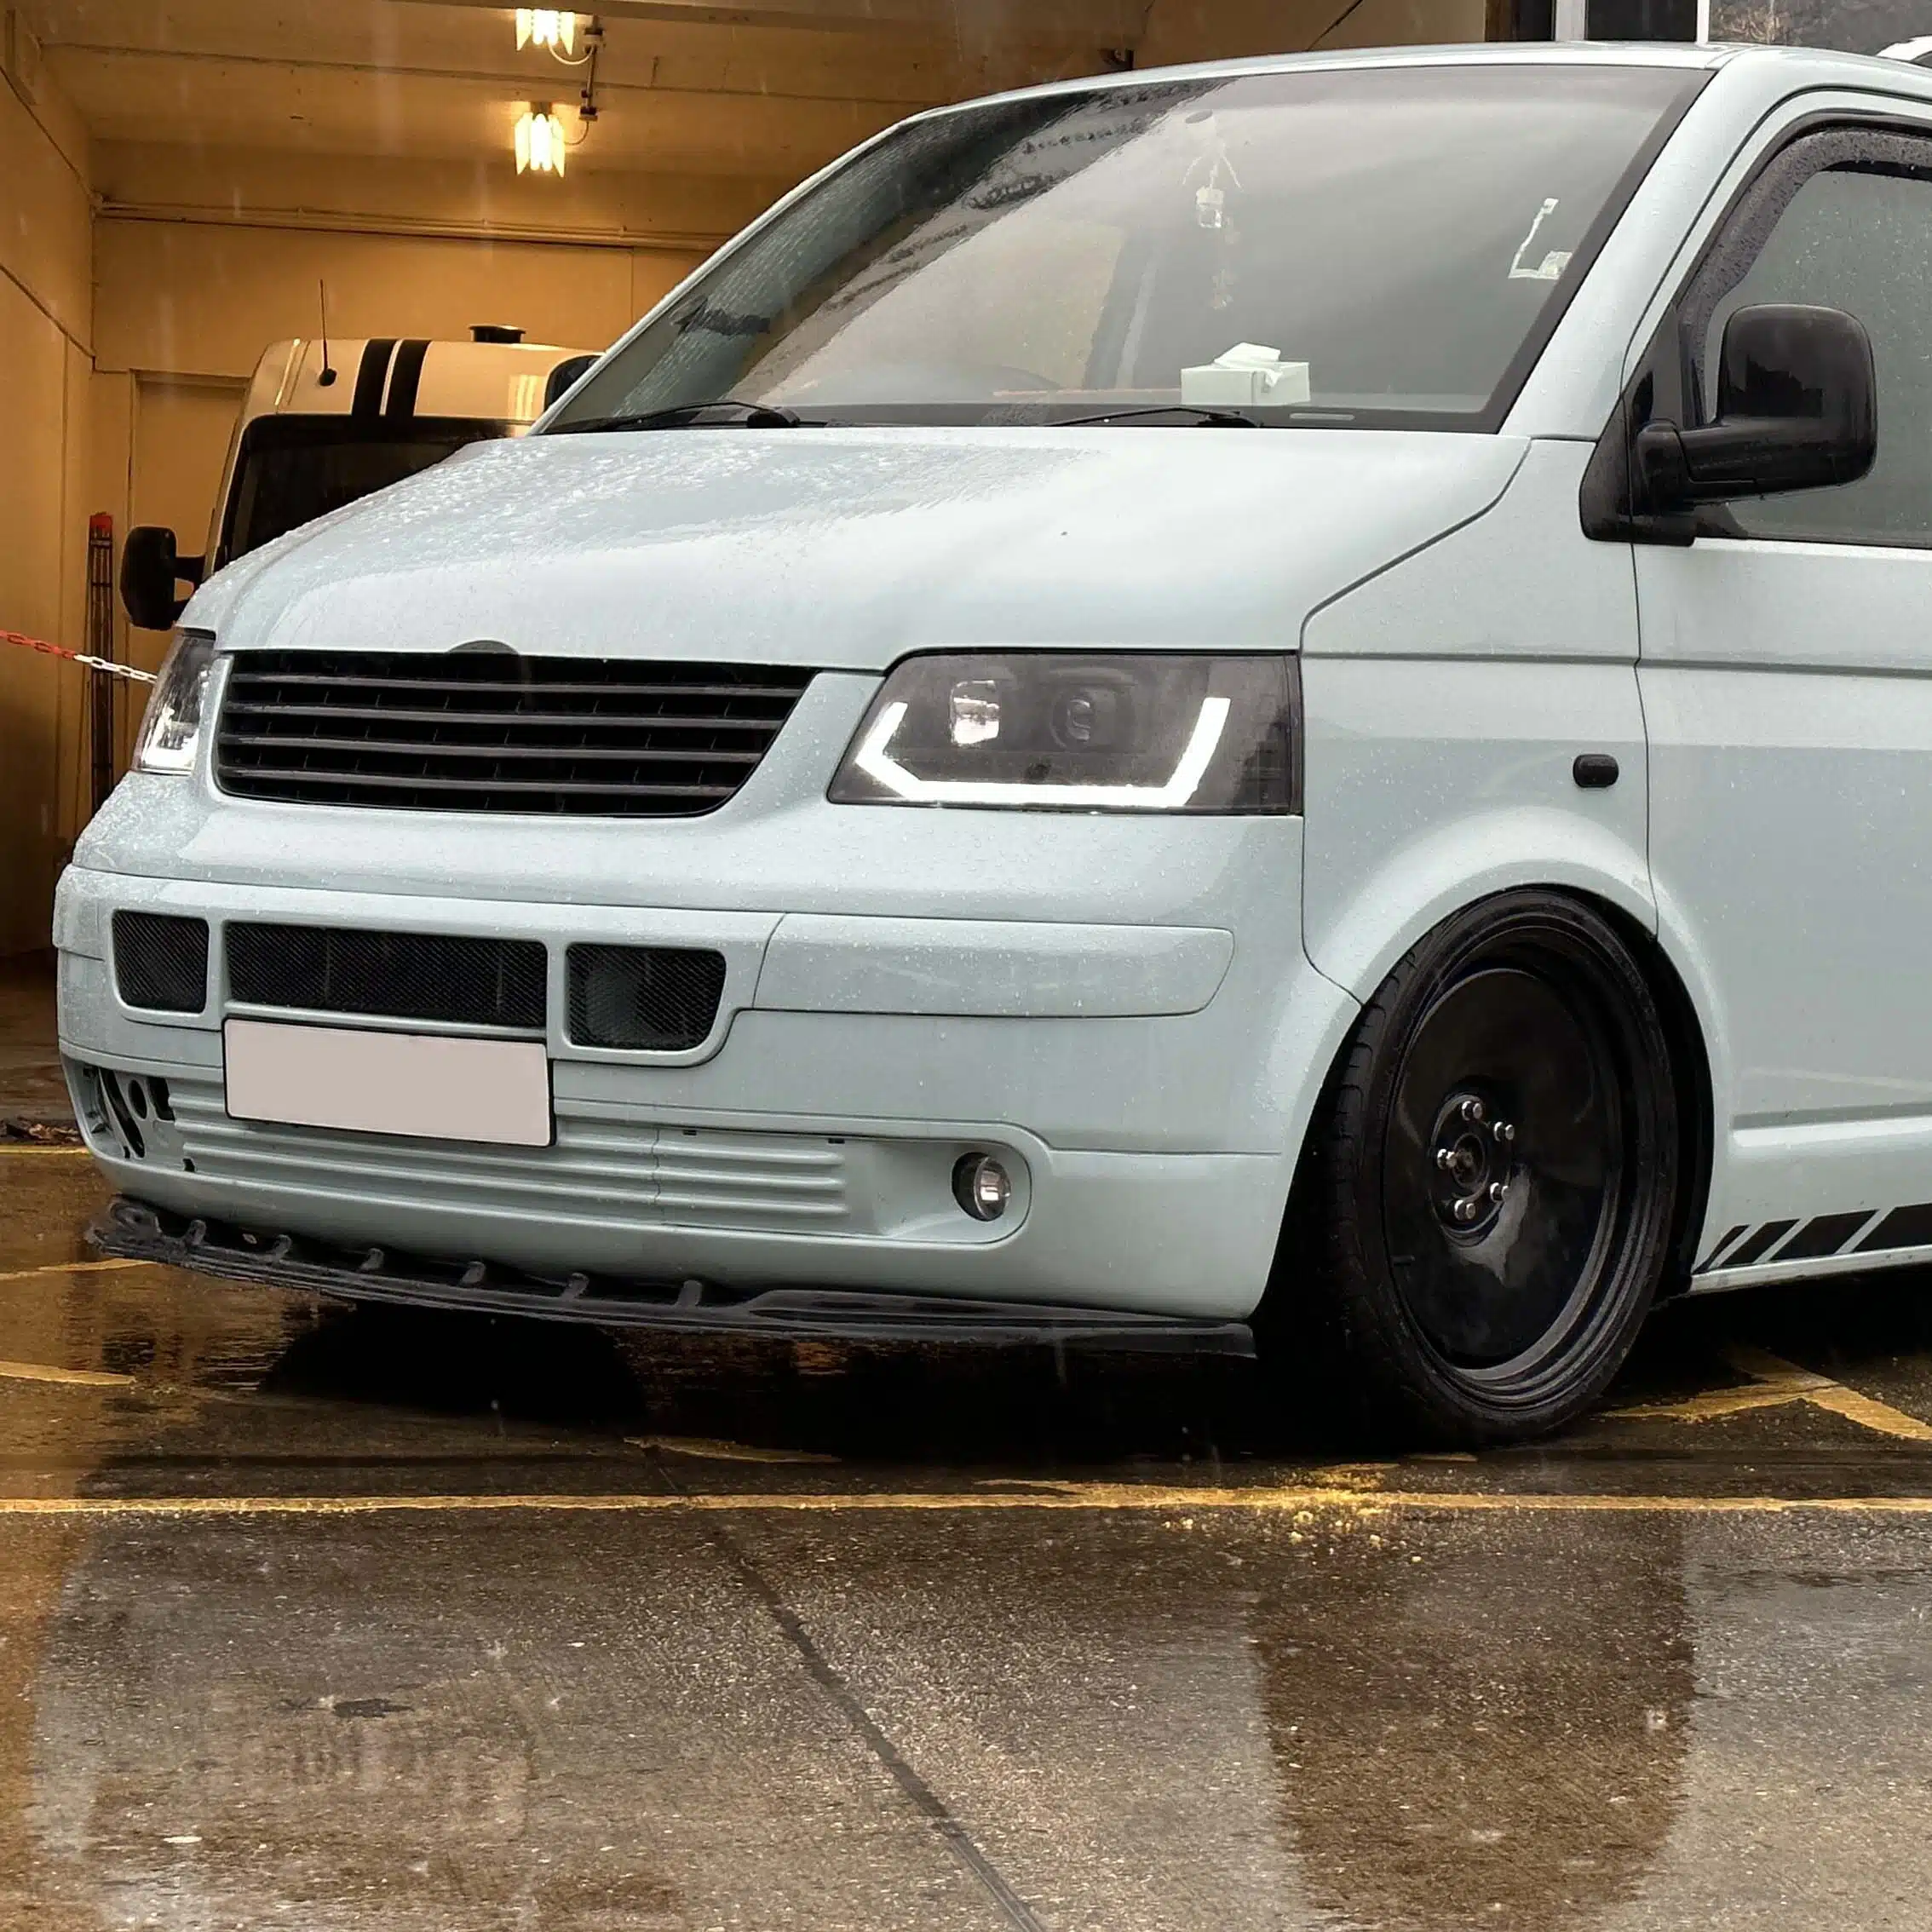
1797, 409
149, 572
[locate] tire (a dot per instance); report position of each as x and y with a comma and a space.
1485, 1216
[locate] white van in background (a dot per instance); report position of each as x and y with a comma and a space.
326, 421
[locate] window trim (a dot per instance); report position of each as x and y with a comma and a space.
1665, 384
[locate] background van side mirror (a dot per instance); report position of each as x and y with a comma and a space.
564, 376
149, 572
1797, 409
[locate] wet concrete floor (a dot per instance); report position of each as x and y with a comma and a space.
338, 1619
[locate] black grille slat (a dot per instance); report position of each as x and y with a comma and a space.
558, 721
642, 688
655, 998
477, 982
161, 961
391, 782
592, 737
417, 748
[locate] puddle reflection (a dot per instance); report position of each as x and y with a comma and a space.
1495, 1734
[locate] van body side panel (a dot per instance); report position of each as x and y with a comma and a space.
1789, 692
1446, 702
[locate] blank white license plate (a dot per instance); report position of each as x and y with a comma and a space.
427, 1086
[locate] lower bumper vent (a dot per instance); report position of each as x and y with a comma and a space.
650, 998
161, 961
474, 982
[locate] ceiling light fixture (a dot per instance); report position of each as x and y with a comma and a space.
546, 26
539, 141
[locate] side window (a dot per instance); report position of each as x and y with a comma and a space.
1856, 237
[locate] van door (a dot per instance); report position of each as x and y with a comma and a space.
1786, 676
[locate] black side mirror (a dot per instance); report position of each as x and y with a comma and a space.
1797, 409
564, 376
149, 572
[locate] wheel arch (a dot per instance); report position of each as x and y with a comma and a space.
1664, 951
1691, 1075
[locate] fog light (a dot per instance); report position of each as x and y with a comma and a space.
979, 1185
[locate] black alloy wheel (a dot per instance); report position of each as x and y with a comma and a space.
1487, 1216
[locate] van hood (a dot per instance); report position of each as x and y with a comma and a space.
845, 548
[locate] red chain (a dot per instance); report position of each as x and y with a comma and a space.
106, 664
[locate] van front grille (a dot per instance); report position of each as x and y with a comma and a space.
493, 731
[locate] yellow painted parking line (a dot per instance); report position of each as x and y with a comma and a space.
1710, 1406
1869, 1412
1092, 1497
33, 1147
73, 1268
1776, 1382
1805, 1385
80, 1378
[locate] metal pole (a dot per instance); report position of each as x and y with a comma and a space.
100, 644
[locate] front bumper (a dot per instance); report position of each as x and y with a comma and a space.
1123, 1013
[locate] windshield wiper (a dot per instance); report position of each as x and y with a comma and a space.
730, 410
735, 411
1207, 418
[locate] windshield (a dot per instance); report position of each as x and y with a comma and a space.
1375, 246
292, 469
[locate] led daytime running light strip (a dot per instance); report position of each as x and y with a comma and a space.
878, 764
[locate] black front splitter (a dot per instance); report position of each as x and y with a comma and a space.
134, 1231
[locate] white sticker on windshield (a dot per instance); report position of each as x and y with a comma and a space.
1554, 262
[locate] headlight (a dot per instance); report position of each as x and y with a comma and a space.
1068, 731
171, 728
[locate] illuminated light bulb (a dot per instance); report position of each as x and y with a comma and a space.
539, 141
546, 26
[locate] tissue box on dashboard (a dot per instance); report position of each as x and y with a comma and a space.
1243, 375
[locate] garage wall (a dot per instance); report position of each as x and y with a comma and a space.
45, 343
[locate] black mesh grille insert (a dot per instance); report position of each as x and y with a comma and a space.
490, 731
477, 982
660, 997
161, 961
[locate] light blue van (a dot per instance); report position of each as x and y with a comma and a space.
1288, 698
